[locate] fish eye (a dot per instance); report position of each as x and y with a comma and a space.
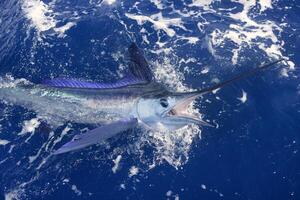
164, 103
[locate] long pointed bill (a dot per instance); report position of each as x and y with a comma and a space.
184, 100
243, 75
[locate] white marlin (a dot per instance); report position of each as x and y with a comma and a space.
135, 99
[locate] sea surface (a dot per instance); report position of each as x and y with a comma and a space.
253, 153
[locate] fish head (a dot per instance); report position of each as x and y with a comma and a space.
169, 111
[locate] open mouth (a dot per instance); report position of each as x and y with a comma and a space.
183, 110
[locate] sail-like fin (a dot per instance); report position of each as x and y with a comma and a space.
75, 83
138, 65
140, 73
97, 135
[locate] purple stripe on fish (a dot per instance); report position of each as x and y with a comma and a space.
73, 83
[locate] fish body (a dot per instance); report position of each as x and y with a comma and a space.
114, 107
60, 105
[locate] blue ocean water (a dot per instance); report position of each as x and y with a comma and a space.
252, 154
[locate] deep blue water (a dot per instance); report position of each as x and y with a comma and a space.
254, 152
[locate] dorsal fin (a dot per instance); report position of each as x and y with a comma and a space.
140, 73
75, 83
138, 65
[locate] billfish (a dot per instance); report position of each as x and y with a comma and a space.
136, 99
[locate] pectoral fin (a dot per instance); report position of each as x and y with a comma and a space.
97, 135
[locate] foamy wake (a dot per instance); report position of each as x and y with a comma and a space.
168, 147
9, 81
248, 33
43, 18
174, 147
244, 32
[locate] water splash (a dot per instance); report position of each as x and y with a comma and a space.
164, 34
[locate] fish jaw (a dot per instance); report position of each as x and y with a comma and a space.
181, 110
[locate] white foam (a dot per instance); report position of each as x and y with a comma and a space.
43, 18
246, 34
291, 65
205, 70
169, 75
202, 3
63, 133
265, 4
170, 147
208, 43
11, 148
190, 40
110, 2
159, 22
66, 180
169, 193
123, 186
243, 98
4, 142
173, 147
61, 30
8, 81
158, 3
41, 149
133, 171
40, 14
12, 195
76, 190
116, 162
29, 126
